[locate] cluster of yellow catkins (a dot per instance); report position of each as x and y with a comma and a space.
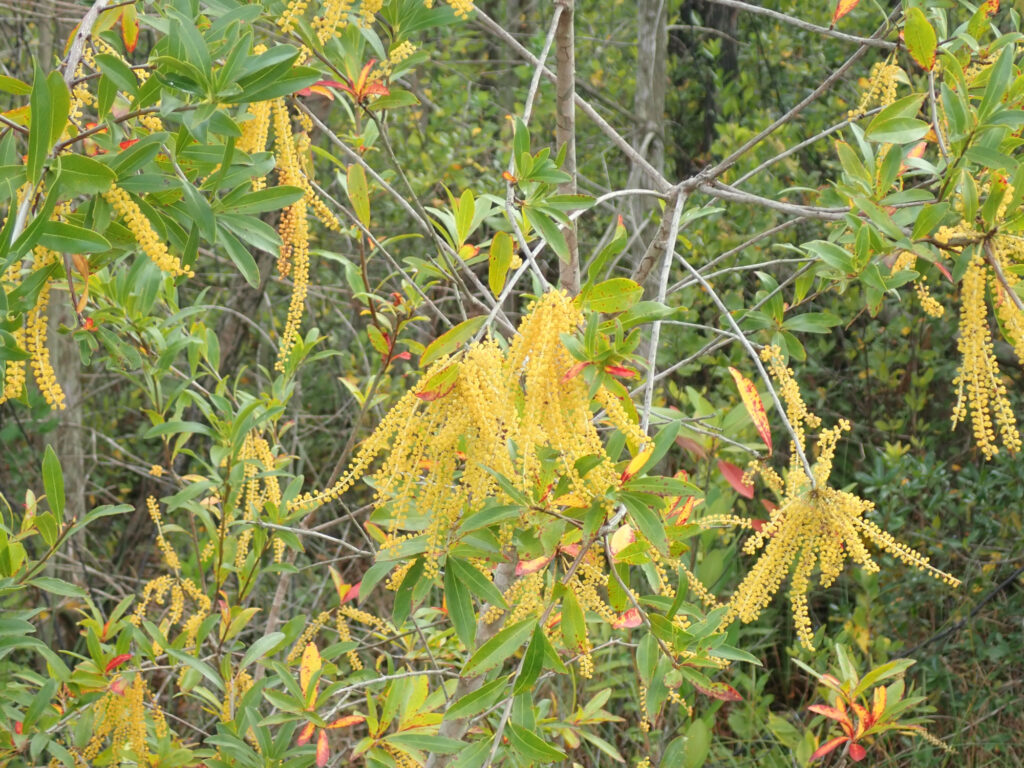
31, 337
492, 411
881, 87
991, 275
814, 528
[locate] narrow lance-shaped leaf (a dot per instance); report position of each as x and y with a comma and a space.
359, 193
308, 667
843, 7
752, 402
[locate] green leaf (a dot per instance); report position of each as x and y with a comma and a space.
399, 97
499, 261
201, 667
920, 38
478, 584
451, 339
263, 200
898, 130
58, 587
240, 257
14, 86
533, 662
53, 482
82, 175
403, 597
494, 652
49, 105
551, 233
261, 648
67, 238
573, 624
440, 745
476, 702
460, 608
359, 193
811, 322
615, 295
531, 746
647, 520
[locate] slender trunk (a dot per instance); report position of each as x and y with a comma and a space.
649, 98
565, 133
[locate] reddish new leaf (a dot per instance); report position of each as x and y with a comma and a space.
734, 476
752, 402
116, 662
628, 620
524, 567
843, 8
347, 720
720, 691
857, 752
323, 751
828, 746
305, 734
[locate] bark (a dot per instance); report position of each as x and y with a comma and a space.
649, 98
565, 133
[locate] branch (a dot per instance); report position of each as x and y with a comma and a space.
616, 138
868, 42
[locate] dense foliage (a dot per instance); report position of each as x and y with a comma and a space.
403, 383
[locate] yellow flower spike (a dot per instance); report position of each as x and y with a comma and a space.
813, 528
143, 232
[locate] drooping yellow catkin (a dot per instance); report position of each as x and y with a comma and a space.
35, 338
14, 370
813, 528
170, 556
255, 132
979, 383
908, 260
143, 232
298, 242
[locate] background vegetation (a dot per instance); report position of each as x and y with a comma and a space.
407, 126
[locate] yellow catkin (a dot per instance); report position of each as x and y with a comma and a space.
332, 19
297, 232
143, 232
292, 12
979, 383
35, 338
881, 90
255, 132
813, 529
908, 260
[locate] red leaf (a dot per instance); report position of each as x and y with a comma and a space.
575, 370
720, 691
436, 394
323, 751
691, 445
827, 747
620, 370
531, 566
117, 661
843, 8
857, 752
752, 402
347, 720
118, 686
402, 356
734, 476
831, 712
305, 734
19, 728
628, 620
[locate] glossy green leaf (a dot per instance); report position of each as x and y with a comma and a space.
53, 482
495, 651
451, 340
